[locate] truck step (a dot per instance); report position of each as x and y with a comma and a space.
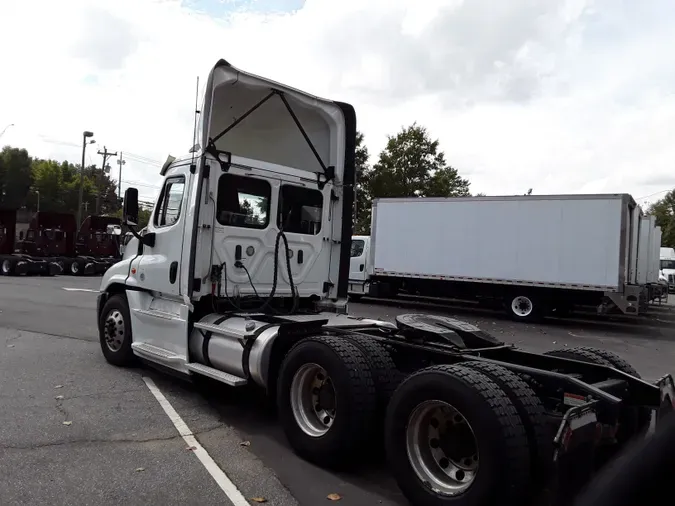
155, 353
223, 377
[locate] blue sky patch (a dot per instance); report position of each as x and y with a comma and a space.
217, 8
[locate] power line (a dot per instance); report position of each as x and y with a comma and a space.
652, 194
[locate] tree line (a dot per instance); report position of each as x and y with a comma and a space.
410, 165
25, 181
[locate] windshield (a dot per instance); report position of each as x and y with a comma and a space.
668, 264
357, 248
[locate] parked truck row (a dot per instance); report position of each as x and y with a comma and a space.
531, 255
53, 244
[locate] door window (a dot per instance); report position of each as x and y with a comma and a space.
243, 201
170, 202
357, 248
300, 210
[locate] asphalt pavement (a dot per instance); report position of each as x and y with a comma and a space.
121, 446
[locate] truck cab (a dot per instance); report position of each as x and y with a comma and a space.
359, 266
49, 234
255, 218
667, 267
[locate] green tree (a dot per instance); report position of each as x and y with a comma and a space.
15, 177
664, 211
362, 198
58, 184
144, 214
411, 165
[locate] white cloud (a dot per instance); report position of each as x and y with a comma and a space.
560, 96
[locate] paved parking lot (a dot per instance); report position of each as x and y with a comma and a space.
121, 446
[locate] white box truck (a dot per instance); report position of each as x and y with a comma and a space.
534, 254
241, 276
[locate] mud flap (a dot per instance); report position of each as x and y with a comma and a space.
667, 390
574, 455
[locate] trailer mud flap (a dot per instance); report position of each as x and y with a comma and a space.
574, 455
667, 395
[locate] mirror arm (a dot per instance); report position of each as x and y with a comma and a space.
147, 239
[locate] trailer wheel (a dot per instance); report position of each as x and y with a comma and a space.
453, 437
523, 307
326, 400
8, 265
531, 412
114, 329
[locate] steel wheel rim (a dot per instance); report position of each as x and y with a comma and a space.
313, 400
74, 268
113, 330
5, 267
442, 448
522, 306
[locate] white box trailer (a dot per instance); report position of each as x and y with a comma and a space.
533, 253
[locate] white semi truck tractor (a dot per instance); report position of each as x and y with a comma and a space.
242, 274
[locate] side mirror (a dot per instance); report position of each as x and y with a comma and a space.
130, 207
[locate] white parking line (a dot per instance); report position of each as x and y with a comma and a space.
79, 289
226, 485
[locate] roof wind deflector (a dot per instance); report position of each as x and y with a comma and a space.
328, 171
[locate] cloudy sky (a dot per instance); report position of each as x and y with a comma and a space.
555, 95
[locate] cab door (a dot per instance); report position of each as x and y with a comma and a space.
159, 267
159, 316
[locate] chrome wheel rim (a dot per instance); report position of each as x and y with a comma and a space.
522, 306
113, 330
313, 400
442, 448
74, 268
5, 267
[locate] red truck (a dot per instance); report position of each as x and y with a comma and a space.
96, 244
15, 259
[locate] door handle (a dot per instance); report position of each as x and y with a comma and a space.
173, 272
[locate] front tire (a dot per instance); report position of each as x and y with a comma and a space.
453, 437
7, 267
326, 400
114, 329
76, 268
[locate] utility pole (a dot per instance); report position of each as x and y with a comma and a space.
105, 155
121, 161
85, 135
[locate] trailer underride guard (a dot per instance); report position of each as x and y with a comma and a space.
242, 277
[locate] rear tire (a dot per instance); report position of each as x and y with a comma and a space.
531, 412
503, 464
114, 330
326, 401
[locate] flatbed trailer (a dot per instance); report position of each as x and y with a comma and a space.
218, 288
